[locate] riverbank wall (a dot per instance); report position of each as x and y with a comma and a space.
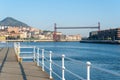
101, 41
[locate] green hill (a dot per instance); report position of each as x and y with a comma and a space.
9, 21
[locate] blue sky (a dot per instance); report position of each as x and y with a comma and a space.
43, 14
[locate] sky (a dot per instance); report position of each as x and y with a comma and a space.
43, 14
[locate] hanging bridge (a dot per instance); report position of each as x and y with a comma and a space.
82, 27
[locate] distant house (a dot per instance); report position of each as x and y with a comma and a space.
2, 38
74, 37
13, 29
23, 35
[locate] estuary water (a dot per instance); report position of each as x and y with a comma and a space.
105, 56
101, 56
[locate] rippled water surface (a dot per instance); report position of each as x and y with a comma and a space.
105, 56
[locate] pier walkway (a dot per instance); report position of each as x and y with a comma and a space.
10, 69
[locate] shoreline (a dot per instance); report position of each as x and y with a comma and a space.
39, 41
101, 41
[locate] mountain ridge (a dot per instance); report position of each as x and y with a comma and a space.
9, 21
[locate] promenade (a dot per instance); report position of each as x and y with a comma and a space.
10, 69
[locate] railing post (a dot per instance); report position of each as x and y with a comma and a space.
42, 59
14, 47
88, 70
18, 48
37, 56
50, 64
34, 53
18, 53
63, 67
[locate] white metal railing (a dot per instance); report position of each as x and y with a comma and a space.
18, 51
40, 57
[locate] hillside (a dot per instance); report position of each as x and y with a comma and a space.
9, 21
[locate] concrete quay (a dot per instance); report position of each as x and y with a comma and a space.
101, 41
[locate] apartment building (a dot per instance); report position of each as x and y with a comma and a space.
109, 34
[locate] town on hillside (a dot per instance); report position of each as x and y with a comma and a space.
11, 29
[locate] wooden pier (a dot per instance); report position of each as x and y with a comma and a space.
10, 69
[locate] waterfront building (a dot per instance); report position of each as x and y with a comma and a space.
41, 37
109, 34
13, 36
2, 38
74, 37
23, 35
29, 35
58, 35
61, 37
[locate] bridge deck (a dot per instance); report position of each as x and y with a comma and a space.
10, 69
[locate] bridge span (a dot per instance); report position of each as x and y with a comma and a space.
82, 27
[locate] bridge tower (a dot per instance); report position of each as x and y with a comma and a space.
98, 26
55, 31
